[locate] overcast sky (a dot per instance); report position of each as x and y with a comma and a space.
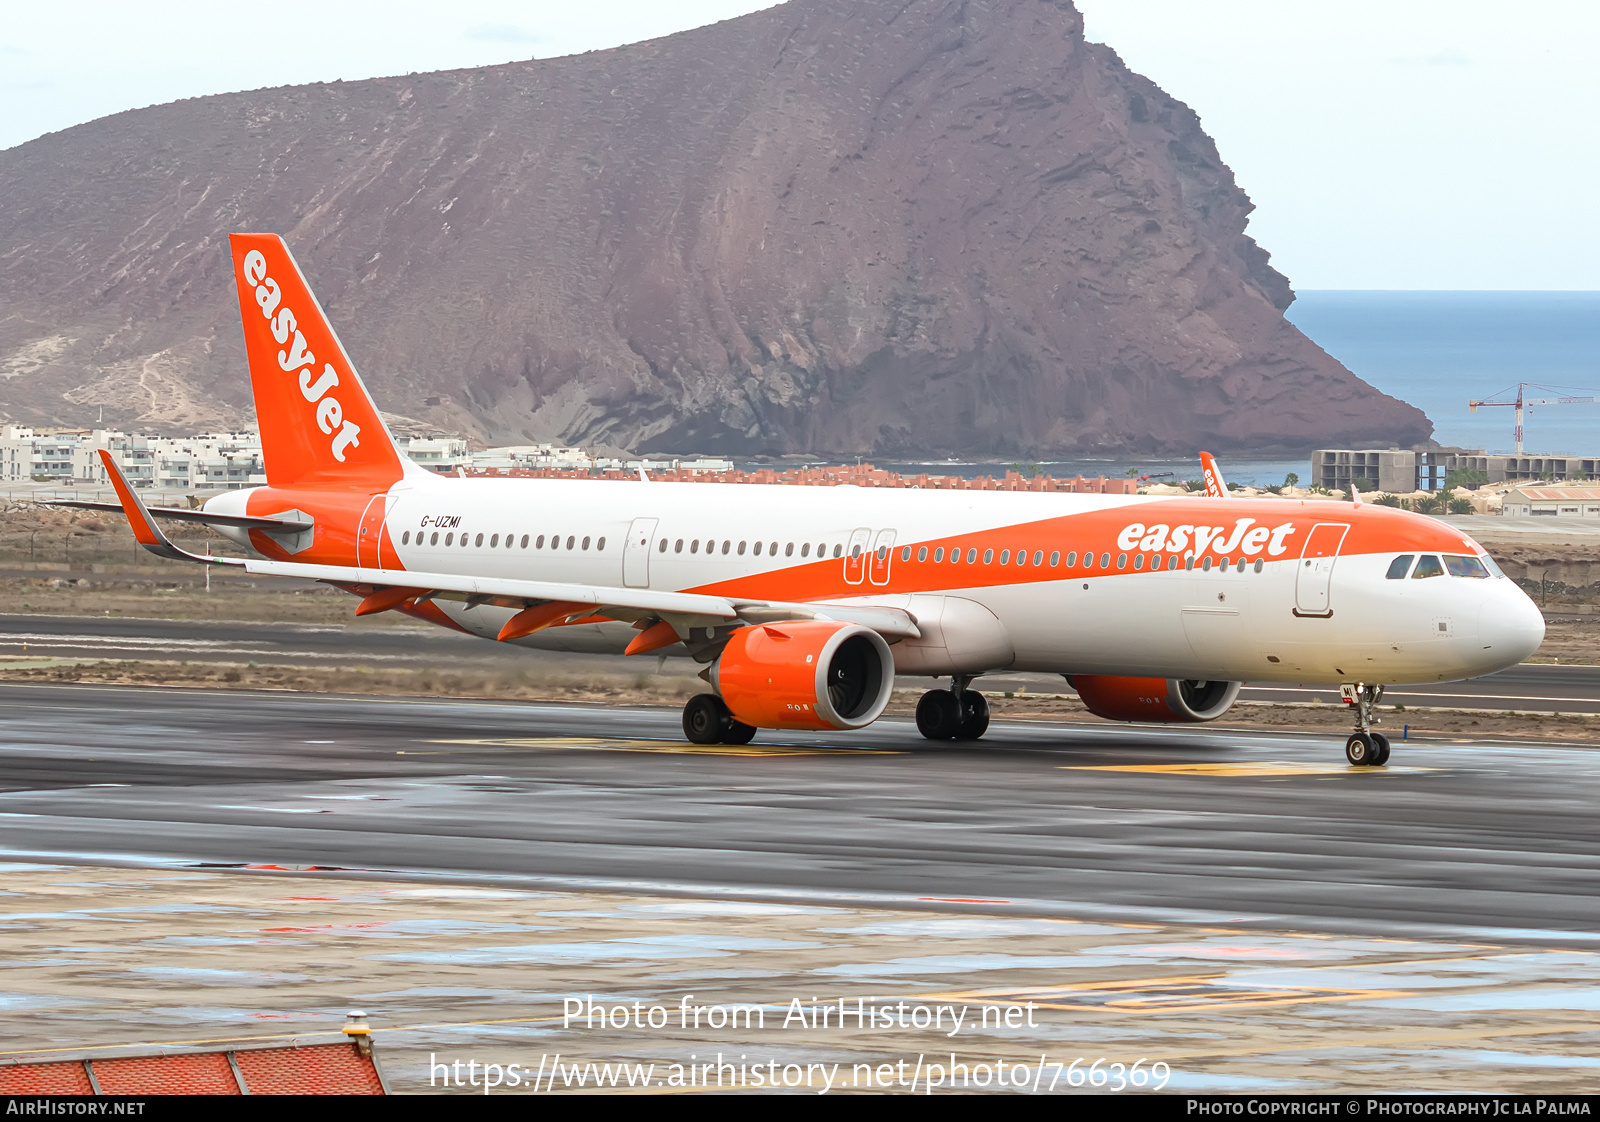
1386, 143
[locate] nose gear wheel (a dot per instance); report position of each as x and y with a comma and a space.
1365, 748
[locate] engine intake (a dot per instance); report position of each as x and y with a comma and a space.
809, 674
1163, 700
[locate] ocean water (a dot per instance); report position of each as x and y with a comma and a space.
1435, 350
1439, 349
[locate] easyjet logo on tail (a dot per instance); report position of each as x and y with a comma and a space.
298, 361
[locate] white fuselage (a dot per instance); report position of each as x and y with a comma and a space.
1051, 613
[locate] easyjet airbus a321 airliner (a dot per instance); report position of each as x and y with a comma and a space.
804, 602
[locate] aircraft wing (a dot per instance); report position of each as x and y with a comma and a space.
552, 601
184, 514
685, 609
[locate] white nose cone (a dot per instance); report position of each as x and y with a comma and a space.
1510, 626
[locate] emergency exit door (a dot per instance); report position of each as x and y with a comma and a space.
636, 553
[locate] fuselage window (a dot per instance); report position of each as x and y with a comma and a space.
741, 549
905, 553
938, 555
1260, 564
1400, 566
838, 550
464, 541
600, 545
1206, 565
955, 557
1225, 563
585, 544
679, 547
805, 549
405, 538
1055, 558
434, 539
570, 539
972, 556
855, 551
1465, 567
1005, 557
539, 542
1240, 566
883, 553
494, 542
480, 539
772, 548
922, 554
988, 557
1088, 560
1038, 558
1105, 560
788, 550
1427, 566
1022, 557
524, 541
694, 546
663, 548
1138, 561
725, 548
1122, 560
756, 549
448, 538
510, 540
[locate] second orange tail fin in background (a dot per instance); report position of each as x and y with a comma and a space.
318, 423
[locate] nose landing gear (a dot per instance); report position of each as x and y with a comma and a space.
953, 714
1365, 748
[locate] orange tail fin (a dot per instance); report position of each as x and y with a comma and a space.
1216, 486
318, 423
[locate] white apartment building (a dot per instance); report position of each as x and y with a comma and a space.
227, 461
212, 461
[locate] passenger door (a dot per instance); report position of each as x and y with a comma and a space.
1313, 579
369, 537
636, 553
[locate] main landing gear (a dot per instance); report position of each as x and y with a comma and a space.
1365, 748
953, 714
706, 720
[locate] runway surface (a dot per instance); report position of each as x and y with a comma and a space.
1530, 687
1174, 825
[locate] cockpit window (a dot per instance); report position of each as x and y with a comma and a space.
1465, 567
1429, 566
1489, 564
1399, 566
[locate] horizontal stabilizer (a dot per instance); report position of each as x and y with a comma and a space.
144, 527
184, 514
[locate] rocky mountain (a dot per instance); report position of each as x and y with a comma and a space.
908, 228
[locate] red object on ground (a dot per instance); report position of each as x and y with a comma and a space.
342, 1068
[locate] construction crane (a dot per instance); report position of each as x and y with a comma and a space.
1522, 403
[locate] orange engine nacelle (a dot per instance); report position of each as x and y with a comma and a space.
1163, 700
809, 674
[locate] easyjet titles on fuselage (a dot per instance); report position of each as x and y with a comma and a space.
1177, 539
